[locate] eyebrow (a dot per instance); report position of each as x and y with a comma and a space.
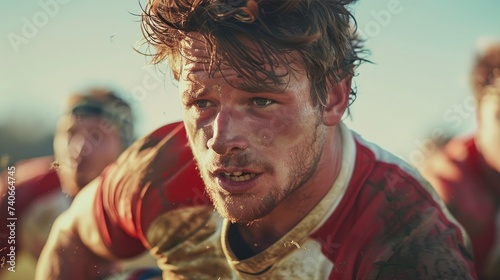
269, 89
198, 93
264, 85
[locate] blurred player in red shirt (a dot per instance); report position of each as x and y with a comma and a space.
95, 128
466, 172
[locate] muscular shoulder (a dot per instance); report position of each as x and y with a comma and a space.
149, 158
161, 161
394, 223
156, 174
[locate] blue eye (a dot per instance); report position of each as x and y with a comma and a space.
262, 102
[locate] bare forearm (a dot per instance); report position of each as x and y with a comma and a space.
66, 257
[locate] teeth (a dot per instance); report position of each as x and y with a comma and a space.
238, 176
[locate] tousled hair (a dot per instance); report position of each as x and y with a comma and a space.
320, 31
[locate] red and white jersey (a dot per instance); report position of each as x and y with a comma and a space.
380, 220
471, 191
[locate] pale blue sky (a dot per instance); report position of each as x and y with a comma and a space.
419, 83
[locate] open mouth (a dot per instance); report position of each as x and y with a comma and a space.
238, 176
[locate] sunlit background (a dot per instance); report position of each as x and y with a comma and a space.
417, 87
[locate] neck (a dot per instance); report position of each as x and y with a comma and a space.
264, 232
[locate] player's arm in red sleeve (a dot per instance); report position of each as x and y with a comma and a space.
109, 220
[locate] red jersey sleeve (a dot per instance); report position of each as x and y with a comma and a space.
32, 180
155, 175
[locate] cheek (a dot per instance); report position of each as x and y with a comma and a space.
196, 136
490, 119
109, 149
288, 127
489, 132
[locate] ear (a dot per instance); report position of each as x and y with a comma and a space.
337, 101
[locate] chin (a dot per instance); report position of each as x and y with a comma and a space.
242, 219
244, 210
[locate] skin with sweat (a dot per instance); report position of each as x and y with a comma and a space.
266, 158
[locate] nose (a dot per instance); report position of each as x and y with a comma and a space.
228, 133
79, 147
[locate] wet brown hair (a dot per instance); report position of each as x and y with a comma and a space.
320, 31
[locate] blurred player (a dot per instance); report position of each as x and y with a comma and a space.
466, 172
94, 129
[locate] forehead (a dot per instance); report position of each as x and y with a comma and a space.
70, 121
194, 50
199, 62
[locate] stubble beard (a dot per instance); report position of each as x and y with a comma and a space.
248, 208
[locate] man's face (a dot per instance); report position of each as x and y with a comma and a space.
252, 149
83, 147
489, 127
488, 82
